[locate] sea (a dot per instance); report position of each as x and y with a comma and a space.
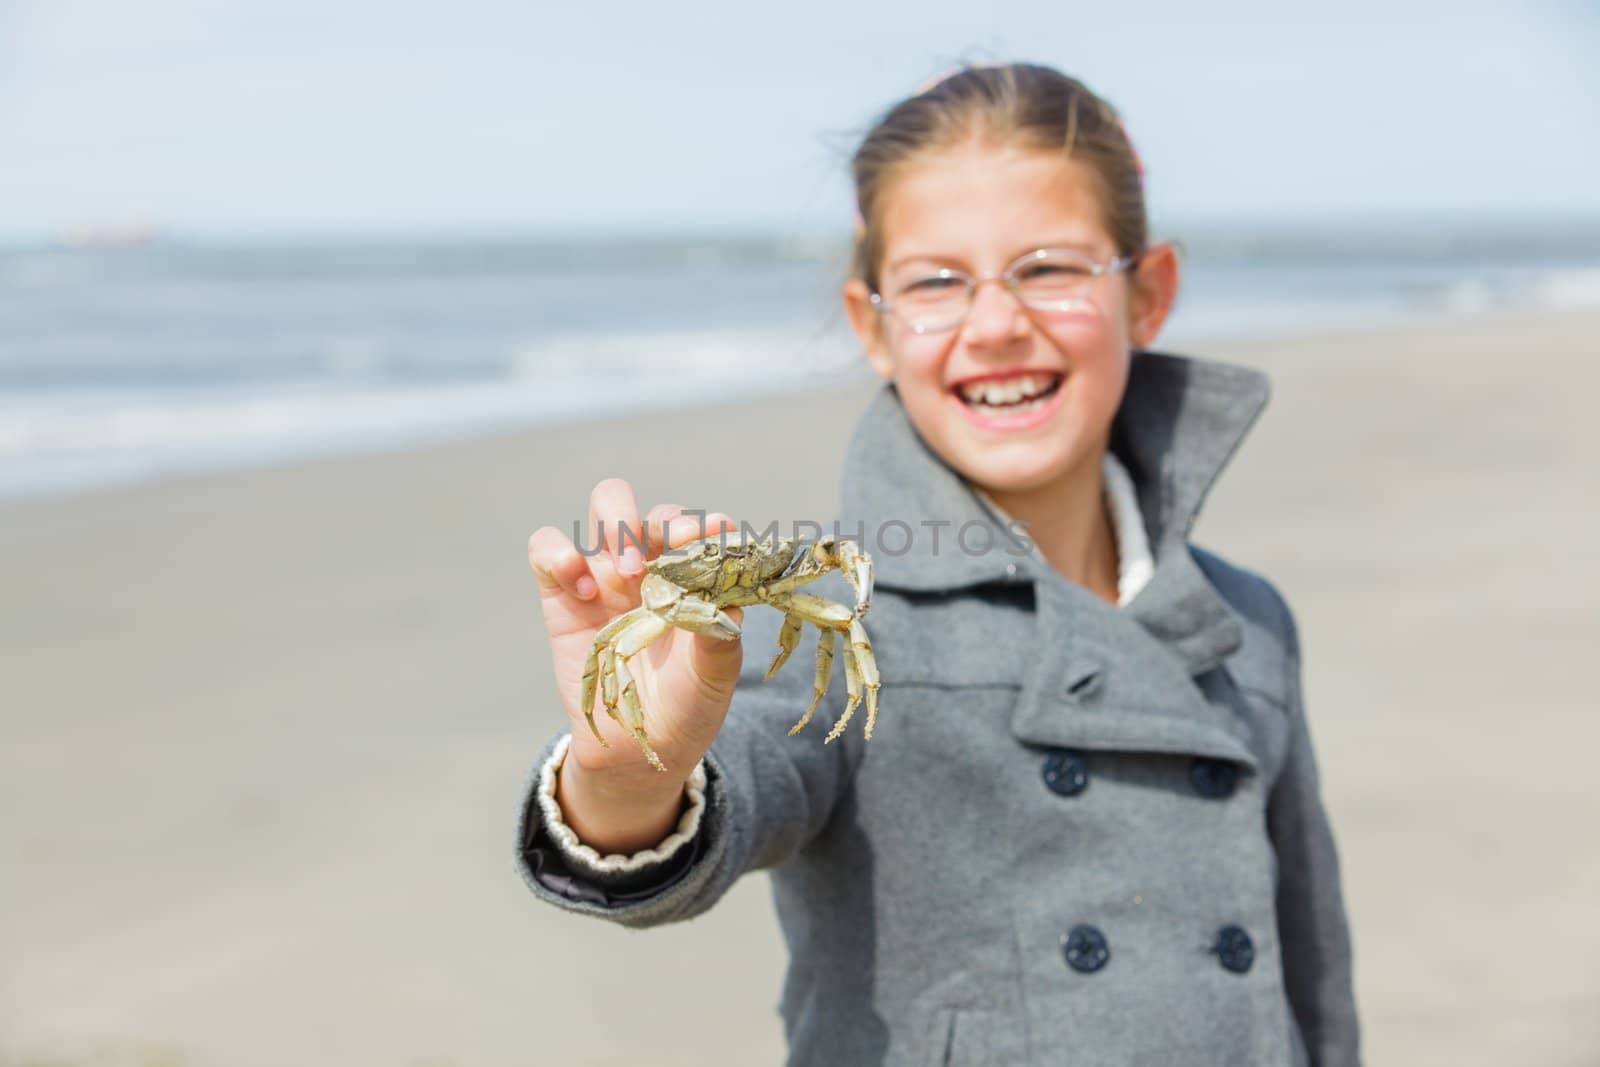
122, 362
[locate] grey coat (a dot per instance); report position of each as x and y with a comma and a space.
1079, 834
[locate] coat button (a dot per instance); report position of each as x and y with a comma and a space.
1066, 771
1214, 778
1234, 949
1085, 949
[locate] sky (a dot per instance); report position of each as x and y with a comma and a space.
294, 117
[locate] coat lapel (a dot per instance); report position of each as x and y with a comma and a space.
1180, 422
1101, 676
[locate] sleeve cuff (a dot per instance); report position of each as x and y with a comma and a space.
583, 857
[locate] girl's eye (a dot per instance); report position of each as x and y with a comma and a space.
1060, 270
934, 283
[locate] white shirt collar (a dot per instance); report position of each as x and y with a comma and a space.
1135, 564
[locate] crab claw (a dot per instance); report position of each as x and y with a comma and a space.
857, 568
723, 628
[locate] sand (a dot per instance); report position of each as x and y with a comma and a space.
264, 734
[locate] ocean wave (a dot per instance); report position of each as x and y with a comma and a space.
68, 440
1499, 289
1574, 288
126, 384
714, 353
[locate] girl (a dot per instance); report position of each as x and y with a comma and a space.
1087, 828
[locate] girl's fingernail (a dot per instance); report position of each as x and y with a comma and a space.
586, 587
632, 562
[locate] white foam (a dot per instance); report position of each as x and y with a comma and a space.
69, 440
746, 353
1572, 288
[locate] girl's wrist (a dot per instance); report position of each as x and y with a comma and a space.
619, 809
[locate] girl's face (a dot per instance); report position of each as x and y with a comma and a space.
977, 209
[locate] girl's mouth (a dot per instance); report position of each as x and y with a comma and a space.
1012, 403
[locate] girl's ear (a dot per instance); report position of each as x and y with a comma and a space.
868, 327
1152, 292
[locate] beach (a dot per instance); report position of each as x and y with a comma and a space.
265, 733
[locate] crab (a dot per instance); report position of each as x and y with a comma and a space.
688, 587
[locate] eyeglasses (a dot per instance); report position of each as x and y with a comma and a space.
1049, 279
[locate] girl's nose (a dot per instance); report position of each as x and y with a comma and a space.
997, 314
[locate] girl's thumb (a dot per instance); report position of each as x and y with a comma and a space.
716, 661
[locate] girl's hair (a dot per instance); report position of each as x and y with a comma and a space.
1021, 104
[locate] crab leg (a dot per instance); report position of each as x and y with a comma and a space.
835, 617
635, 712
862, 648
852, 683
824, 556
664, 605
811, 567
860, 673
788, 638
591, 667
608, 684
703, 617
825, 613
639, 633
826, 639
687, 612
857, 568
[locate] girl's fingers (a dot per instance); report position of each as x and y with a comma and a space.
614, 523
717, 522
614, 515
663, 522
673, 526
558, 566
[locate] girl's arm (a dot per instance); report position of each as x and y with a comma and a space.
766, 794
1312, 927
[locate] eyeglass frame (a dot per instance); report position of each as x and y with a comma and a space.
1096, 270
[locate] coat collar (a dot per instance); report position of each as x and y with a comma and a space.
1180, 422
1134, 562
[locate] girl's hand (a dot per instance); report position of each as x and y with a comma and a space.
685, 680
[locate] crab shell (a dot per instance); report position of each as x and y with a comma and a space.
716, 565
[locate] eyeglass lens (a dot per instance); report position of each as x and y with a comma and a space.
1050, 282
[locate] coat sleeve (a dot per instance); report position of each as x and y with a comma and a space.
767, 794
1312, 927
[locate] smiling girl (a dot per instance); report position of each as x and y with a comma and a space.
1088, 827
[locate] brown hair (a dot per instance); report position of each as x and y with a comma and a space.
1020, 104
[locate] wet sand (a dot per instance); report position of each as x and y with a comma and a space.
264, 734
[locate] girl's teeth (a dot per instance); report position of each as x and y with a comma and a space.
1010, 393
1010, 409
